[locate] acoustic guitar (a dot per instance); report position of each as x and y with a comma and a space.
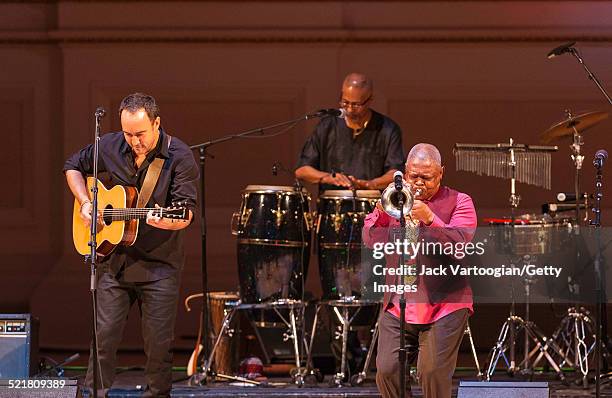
120, 218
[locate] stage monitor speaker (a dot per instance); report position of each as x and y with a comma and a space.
502, 389
18, 346
60, 388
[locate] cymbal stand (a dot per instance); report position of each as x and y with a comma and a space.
577, 158
514, 202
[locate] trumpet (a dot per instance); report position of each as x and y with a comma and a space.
391, 197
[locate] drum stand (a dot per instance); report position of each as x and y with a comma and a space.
506, 340
292, 334
341, 310
345, 320
534, 333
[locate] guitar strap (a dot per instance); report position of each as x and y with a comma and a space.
151, 178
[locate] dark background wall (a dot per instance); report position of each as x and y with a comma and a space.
462, 71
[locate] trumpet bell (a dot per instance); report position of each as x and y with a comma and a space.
390, 200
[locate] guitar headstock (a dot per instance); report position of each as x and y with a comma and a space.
178, 211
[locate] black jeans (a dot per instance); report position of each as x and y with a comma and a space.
438, 346
158, 306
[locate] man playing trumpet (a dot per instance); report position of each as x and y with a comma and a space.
437, 313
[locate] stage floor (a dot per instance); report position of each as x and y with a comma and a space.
126, 385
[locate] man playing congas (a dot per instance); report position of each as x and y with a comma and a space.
361, 151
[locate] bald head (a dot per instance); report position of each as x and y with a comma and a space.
425, 152
359, 81
424, 170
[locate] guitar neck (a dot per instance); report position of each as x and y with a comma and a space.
132, 213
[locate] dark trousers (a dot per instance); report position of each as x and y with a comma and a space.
158, 305
438, 345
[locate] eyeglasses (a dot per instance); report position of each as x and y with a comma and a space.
347, 104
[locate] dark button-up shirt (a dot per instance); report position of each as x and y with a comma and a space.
157, 253
332, 148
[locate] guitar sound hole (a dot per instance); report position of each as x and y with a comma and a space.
107, 217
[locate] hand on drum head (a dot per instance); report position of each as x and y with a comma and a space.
339, 180
359, 184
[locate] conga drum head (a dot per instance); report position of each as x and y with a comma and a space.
347, 194
285, 189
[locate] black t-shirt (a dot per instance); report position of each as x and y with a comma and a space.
157, 253
332, 148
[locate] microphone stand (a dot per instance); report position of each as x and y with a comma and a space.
599, 267
203, 154
93, 281
590, 74
402, 303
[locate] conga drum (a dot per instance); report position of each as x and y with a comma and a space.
226, 354
273, 242
339, 223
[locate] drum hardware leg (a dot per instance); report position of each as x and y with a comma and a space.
468, 332
225, 329
540, 340
582, 352
527, 369
533, 333
359, 378
310, 375
292, 334
255, 328
345, 321
299, 378
569, 340
560, 338
542, 346
499, 349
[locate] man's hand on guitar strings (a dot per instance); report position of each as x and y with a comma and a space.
85, 214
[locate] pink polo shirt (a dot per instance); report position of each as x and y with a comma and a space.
452, 210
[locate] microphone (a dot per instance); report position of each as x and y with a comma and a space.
570, 196
341, 113
398, 180
600, 158
100, 112
562, 49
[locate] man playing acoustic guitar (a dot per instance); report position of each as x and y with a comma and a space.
148, 271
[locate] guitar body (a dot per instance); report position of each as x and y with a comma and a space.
110, 233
